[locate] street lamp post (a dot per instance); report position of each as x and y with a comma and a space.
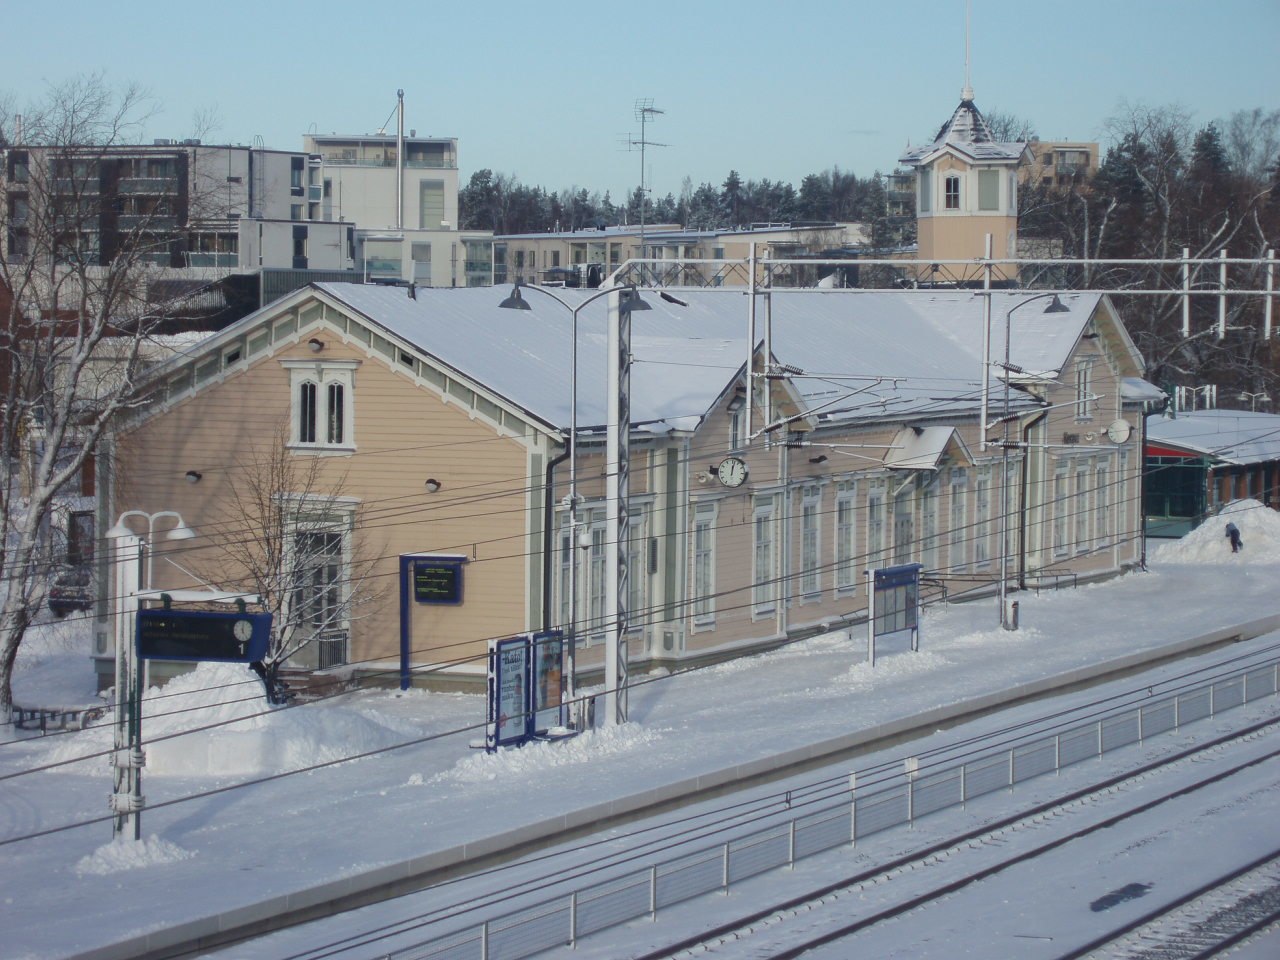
1007, 620
1254, 399
132, 559
630, 303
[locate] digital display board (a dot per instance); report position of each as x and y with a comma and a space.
437, 581
203, 635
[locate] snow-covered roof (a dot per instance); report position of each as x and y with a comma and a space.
1137, 389
865, 355
968, 133
921, 448
1231, 436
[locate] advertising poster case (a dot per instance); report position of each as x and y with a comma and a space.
509, 693
547, 678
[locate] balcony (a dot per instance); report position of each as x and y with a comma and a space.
146, 222
149, 185
442, 164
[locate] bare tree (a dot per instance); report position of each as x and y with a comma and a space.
74, 316
291, 538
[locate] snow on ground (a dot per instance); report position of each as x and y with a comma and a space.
120, 855
53, 669
249, 844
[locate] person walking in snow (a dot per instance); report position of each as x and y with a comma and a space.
1233, 534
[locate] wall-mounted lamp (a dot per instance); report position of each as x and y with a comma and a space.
820, 458
432, 485
193, 476
315, 345
737, 403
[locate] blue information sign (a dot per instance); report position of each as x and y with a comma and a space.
203, 635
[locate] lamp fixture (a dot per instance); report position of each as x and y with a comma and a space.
1057, 306
315, 344
193, 476
515, 301
737, 403
432, 485
820, 458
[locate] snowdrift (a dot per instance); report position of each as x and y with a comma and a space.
1259, 531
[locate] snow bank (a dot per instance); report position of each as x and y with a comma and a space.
535, 757
121, 854
258, 740
1259, 531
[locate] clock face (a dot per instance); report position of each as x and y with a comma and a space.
1118, 431
732, 472
243, 630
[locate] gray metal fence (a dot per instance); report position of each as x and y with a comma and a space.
563, 920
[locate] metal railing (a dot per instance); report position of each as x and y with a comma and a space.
567, 918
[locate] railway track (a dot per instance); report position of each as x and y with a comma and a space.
1224, 911
954, 863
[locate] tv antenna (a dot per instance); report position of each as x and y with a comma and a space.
645, 112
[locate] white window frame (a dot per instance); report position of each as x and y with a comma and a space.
948, 193
563, 565
703, 579
903, 526
764, 559
1060, 546
1084, 384
929, 522
324, 379
810, 543
958, 555
846, 536
982, 503
313, 515
637, 567
877, 495
1081, 505
597, 571
1102, 502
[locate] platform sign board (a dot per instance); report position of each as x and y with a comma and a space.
203, 635
510, 705
547, 681
895, 605
437, 581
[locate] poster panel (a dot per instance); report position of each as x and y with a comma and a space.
509, 713
547, 679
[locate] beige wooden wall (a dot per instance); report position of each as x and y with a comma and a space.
404, 433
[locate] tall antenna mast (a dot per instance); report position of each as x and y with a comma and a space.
967, 92
644, 111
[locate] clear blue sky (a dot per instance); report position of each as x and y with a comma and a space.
547, 91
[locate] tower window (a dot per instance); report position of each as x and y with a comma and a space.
953, 193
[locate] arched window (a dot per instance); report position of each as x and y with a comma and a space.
953, 192
322, 401
335, 421
307, 412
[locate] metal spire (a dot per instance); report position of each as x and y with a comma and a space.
967, 92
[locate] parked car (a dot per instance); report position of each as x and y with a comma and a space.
72, 590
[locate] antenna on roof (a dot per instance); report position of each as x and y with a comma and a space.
967, 92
